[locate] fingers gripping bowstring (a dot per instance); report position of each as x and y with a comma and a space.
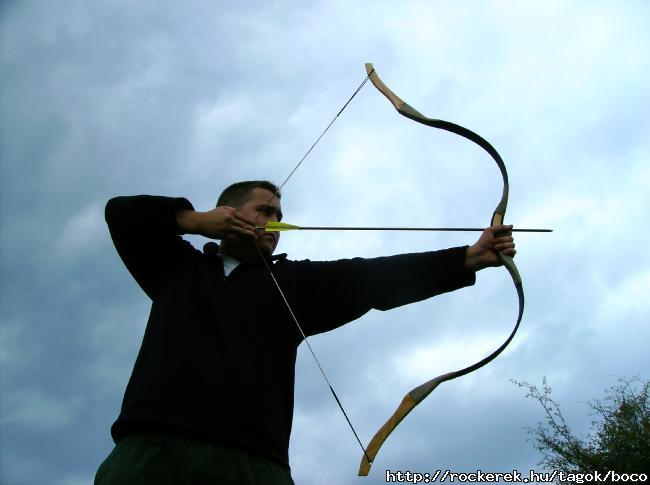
277, 285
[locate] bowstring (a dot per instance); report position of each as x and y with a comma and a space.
277, 285
318, 139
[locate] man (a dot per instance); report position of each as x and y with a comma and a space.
210, 399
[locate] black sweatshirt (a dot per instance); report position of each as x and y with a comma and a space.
217, 359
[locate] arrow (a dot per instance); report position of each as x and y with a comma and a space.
283, 226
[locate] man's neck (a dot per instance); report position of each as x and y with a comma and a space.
243, 254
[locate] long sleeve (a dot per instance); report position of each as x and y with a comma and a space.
331, 293
146, 236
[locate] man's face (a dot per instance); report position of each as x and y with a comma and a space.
263, 206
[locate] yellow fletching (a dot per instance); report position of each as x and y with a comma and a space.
277, 226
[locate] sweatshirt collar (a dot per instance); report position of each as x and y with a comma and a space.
212, 249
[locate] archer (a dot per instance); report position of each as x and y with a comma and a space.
210, 398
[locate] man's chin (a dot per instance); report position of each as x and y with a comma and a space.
266, 245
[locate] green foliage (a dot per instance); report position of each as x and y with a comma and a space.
619, 439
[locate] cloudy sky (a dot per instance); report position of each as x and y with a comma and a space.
106, 98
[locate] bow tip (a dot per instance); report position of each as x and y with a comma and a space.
364, 467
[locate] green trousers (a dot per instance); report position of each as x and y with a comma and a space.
160, 460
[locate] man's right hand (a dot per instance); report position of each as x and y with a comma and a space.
223, 223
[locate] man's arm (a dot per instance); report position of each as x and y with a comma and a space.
336, 292
223, 222
147, 237
332, 293
146, 232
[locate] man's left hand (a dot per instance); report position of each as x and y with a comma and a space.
484, 254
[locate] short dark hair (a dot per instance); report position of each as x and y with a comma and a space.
239, 193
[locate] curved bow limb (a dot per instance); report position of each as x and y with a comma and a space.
418, 394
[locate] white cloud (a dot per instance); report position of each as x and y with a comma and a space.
83, 230
627, 300
31, 408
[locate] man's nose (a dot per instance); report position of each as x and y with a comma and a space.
263, 219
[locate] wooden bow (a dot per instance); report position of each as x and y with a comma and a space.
417, 395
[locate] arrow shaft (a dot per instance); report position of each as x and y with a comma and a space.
450, 229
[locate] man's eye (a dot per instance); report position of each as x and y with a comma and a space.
267, 210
